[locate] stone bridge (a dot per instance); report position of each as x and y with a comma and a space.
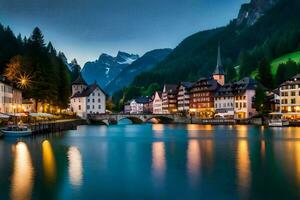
135, 118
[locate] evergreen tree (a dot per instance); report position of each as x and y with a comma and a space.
264, 74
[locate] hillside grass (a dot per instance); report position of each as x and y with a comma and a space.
295, 56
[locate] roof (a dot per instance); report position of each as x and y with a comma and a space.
219, 68
88, 91
79, 81
187, 85
205, 84
170, 88
142, 100
295, 80
236, 88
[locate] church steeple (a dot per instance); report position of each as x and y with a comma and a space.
219, 68
219, 74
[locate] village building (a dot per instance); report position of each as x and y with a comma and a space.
10, 97
87, 99
156, 103
183, 97
224, 101
290, 98
169, 99
139, 105
202, 98
273, 100
244, 93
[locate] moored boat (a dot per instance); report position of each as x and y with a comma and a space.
16, 131
276, 120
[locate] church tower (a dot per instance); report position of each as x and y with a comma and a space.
78, 85
219, 74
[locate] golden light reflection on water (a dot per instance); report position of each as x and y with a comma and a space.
196, 127
75, 166
288, 154
243, 167
158, 130
242, 131
194, 160
23, 172
158, 160
49, 163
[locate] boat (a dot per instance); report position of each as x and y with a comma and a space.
16, 131
276, 120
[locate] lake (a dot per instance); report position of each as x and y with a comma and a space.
153, 162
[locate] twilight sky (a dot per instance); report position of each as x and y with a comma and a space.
83, 29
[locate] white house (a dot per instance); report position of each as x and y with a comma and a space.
137, 106
224, 101
156, 103
87, 99
235, 100
244, 95
10, 98
289, 92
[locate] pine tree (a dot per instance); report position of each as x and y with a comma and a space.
264, 74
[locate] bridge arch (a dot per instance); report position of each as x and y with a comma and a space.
160, 119
133, 119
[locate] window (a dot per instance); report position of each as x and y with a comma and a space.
244, 105
293, 94
93, 100
236, 105
93, 93
293, 101
93, 107
79, 107
98, 94
99, 100
99, 106
88, 100
88, 107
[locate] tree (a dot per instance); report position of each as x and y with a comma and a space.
264, 74
151, 89
75, 69
260, 99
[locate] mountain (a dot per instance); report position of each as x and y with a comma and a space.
107, 67
244, 42
251, 12
144, 63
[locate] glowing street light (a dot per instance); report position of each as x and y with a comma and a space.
24, 81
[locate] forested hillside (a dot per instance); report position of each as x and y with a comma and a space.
34, 67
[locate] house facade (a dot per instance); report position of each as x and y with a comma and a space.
87, 99
202, 98
183, 96
10, 98
140, 105
289, 92
156, 103
243, 99
169, 99
224, 101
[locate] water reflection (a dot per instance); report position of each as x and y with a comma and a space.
242, 131
194, 160
22, 178
75, 166
158, 161
243, 167
49, 163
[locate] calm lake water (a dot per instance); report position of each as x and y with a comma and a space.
153, 162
